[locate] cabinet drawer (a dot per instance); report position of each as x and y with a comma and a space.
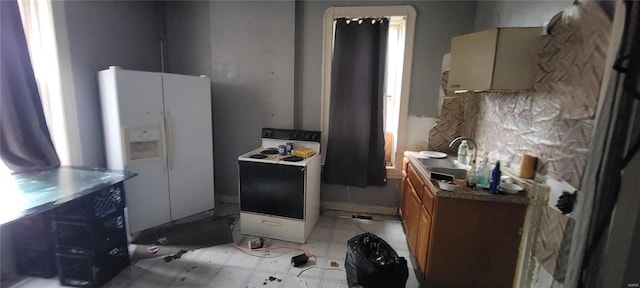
273, 227
415, 179
428, 199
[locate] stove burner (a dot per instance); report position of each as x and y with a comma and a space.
270, 151
293, 159
258, 156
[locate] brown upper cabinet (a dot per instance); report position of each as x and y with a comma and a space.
499, 59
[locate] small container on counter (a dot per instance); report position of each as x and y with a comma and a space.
482, 174
282, 150
289, 147
471, 175
528, 166
495, 179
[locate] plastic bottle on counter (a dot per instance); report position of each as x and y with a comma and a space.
471, 175
470, 153
482, 174
463, 150
495, 179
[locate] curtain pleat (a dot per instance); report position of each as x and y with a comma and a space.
355, 146
25, 142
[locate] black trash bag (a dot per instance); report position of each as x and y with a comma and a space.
372, 263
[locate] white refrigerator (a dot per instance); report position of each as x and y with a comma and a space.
160, 126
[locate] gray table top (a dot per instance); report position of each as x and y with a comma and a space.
29, 193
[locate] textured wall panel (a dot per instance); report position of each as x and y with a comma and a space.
553, 242
553, 122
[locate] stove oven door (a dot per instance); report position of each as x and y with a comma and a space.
272, 189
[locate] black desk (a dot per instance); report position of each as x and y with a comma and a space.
71, 218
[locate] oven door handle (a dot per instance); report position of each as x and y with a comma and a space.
271, 222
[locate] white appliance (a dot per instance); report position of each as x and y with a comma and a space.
159, 125
280, 194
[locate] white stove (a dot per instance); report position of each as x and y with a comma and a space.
272, 145
280, 194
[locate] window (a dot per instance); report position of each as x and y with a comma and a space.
393, 85
399, 55
42, 40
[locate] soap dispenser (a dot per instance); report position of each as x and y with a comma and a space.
482, 174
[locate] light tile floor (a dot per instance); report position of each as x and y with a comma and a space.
228, 267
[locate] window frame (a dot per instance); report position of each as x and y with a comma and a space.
333, 13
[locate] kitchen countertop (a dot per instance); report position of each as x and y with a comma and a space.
463, 192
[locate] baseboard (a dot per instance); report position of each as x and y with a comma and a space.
359, 208
227, 199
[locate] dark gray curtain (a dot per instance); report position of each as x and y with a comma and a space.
355, 148
25, 143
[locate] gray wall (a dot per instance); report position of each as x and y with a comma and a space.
102, 34
266, 68
252, 53
188, 37
492, 14
264, 59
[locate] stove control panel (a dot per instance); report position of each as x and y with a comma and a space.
288, 134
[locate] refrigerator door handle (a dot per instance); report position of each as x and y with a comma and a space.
170, 151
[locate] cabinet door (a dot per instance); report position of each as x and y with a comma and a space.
187, 102
403, 189
472, 60
413, 217
424, 229
404, 204
130, 100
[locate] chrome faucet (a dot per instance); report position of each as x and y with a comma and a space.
475, 147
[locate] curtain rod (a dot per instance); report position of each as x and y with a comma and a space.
362, 18
365, 17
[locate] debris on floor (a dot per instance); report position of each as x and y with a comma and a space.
271, 279
175, 256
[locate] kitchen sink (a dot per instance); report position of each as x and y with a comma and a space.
446, 167
457, 173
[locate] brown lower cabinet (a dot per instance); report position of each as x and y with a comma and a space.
412, 215
460, 242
